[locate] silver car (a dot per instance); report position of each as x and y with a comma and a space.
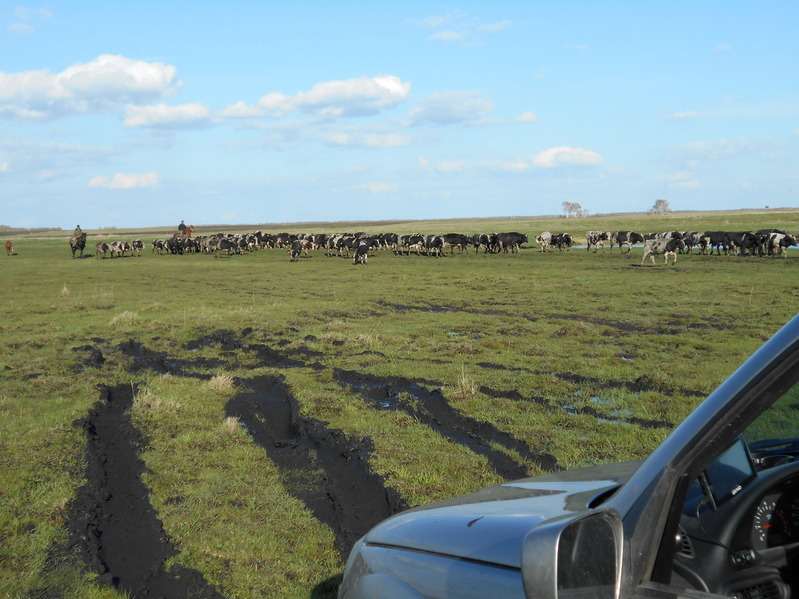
713, 511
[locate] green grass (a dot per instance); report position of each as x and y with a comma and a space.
572, 329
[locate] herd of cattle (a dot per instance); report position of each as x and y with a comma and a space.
771, 242
359, 246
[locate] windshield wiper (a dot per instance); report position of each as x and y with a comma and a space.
772, 444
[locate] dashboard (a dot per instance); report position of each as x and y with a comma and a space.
775, 520
743, 534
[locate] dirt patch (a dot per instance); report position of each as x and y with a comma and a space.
162, 363
641, 384
432, 408
93, 358
324, 468
112, 526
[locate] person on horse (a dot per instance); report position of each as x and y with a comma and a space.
78, 231
181, 228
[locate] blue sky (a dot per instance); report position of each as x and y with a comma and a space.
146, 113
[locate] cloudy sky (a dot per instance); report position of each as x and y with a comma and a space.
145, 113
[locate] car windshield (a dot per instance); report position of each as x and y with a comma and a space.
776, 431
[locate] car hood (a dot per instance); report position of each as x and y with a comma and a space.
489, 525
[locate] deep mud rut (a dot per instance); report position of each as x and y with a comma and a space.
112, 526
115, 531
342, 492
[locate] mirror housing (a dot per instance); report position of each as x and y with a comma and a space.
575, 556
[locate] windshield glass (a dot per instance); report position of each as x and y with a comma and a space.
777, 429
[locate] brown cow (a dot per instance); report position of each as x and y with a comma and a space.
9, 248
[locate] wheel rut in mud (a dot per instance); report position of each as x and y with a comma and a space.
324, 468
432, 408
115, 531
112, 526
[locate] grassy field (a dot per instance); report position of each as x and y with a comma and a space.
584, 357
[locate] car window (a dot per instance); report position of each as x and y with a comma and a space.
741, 514
779, 422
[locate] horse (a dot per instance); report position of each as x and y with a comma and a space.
78, 242
9, 248
188, 231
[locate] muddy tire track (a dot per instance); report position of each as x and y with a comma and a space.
112, 525
324, 468
432, 409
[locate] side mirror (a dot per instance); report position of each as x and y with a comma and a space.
577, 556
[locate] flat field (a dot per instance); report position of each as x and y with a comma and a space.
228, 426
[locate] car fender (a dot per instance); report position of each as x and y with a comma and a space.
380, 586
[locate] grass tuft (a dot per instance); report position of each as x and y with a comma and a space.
221, 382
465, 387
231, 425
125, 318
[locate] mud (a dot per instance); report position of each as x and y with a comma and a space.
432, 408
112, 526
116, 533
324, 468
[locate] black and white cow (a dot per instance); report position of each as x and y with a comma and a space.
487, 241
434, 245
545, 241
596, 239
662, 247
778, 244
562, 241
295, 249
361, 254
455, 240
119, 248
692, 239
511, 241
136, 247
625, 238
742, 242
409, 243
717, 240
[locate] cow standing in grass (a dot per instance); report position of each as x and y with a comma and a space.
662, 247
9, 248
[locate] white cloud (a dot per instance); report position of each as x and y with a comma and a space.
679, 116
376, 188
446, 108
102, 84
162, 115
363, 96
527, 117
456, 26
355, 97
717, 150
565, 155
20, 29
722, 48
449, 36
494, 27
126, 181
49, 160
24, 16
679, 180
450, 166
242, 110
